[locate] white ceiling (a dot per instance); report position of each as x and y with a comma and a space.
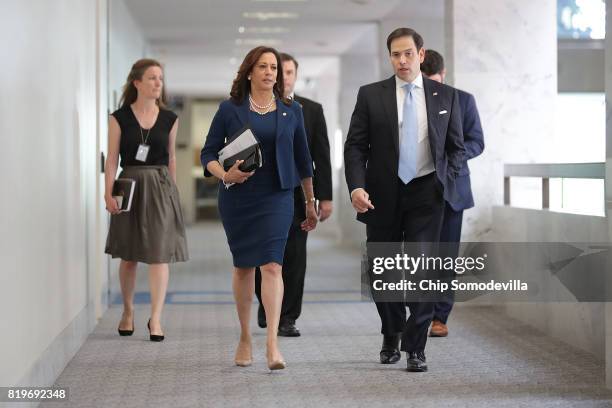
200, 41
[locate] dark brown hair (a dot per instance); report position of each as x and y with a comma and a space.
242, 85
287, 57
130, 93
433, 63
405, 32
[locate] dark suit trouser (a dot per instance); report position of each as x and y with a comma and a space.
294, 266
419, 219
451, 232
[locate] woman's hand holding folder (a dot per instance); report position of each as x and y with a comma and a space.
235, 175
112, 206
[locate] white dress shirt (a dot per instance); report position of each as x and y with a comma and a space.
424, 164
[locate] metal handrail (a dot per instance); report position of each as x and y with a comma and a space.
548, 171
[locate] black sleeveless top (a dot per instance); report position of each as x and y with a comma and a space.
131, 137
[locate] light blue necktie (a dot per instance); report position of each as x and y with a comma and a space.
409, 137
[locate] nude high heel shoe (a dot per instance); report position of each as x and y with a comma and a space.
243, 362
276, 364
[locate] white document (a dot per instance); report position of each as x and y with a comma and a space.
119, 200
242, 142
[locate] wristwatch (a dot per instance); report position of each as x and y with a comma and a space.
310, 200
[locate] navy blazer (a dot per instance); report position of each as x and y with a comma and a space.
473, 140
371, 150
292, 156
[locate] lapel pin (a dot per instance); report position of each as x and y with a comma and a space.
435, 93
284, 113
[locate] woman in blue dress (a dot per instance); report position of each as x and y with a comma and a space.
256, 208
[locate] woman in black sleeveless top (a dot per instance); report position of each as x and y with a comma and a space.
142, 133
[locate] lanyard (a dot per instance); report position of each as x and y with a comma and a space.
144, 140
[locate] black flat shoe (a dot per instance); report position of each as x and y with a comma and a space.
288, 330
416, 362
154, 337
389, 352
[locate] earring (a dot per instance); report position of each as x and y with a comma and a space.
249, 78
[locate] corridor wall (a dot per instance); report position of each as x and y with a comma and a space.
53, 122
48, 169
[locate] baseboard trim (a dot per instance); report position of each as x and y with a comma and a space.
45, 371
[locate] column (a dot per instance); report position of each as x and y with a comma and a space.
505, 54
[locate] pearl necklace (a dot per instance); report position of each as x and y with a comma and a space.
257, 108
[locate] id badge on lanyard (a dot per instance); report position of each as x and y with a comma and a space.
143, 152
143, 148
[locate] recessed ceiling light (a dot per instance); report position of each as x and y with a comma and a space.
258, 41
265, 30
261, 15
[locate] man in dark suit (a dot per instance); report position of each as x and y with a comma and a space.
433, 68
403, 151
294, 262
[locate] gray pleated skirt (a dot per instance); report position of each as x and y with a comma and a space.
152, 232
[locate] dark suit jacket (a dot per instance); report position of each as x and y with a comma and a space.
318, 143
292, 156
371, 150
474, 145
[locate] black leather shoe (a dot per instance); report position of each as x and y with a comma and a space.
288, 330
261, 317
416, 362
389, 353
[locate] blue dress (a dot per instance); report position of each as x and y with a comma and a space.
257, 214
